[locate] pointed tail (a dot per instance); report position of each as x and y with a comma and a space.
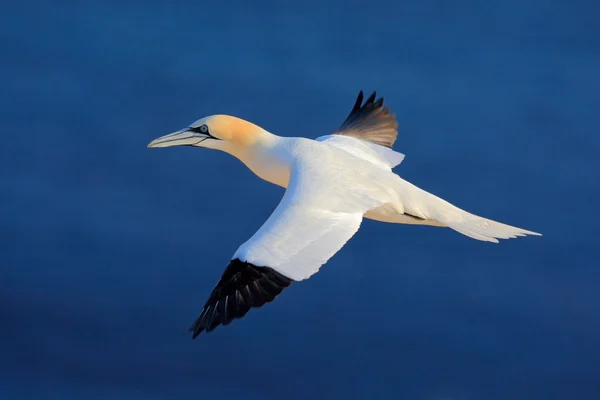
485, 229
425, 205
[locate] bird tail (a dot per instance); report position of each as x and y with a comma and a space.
481, 228
430, 207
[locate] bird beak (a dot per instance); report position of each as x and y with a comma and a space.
183, 137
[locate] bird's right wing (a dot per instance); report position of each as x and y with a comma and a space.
319, 212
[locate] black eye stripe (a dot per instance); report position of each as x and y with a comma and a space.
200, 129
203, 129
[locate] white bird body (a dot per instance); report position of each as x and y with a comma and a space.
331, 184
276, 169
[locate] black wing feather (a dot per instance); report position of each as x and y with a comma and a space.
241, 287
370, 122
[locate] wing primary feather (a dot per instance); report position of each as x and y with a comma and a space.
223, 311
242, 306
370, 122
242, 286
358, 102
249, 297
370, 100
209, 322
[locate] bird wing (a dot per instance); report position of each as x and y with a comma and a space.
370, 122
320, 211
378, 155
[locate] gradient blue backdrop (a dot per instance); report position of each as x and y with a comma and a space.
109, 249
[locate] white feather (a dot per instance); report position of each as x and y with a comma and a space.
320, 211
422, 204
372, 152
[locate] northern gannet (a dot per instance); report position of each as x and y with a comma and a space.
331, 183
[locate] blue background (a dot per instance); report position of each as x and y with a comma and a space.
109, 249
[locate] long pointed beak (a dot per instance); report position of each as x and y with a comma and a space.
182, 137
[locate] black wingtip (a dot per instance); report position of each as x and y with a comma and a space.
242, 286
371, 102
371, 99
370, 121
358, 103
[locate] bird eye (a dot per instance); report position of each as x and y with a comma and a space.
204, 129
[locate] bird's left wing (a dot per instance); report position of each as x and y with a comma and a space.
319, 212
368, 132
371, 122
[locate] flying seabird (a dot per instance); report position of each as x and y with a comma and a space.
331, 183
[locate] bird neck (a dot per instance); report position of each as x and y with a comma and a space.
261, 140
265, 158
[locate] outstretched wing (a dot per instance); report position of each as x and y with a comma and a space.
370, 122
319, 212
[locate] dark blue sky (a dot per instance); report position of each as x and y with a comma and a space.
109, 249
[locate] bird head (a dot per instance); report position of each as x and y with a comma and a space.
221, 132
